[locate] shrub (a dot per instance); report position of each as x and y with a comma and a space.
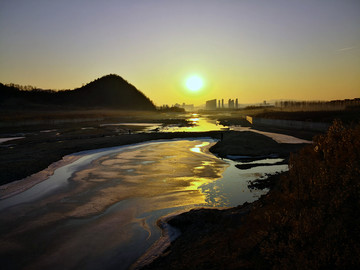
313, 221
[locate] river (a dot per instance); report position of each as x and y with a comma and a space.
100, 211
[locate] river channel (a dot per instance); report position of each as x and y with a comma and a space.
100, 211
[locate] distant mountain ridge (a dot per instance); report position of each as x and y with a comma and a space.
108, 92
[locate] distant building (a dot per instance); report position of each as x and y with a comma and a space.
231, 104
211, 104
219, 104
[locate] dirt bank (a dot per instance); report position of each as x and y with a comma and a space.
251, 144
306, 221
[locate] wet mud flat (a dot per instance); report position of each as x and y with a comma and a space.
212, 234
52, 149
206, 236
101, 210
23, 157
216, 238
45, 137
251, 145
287, 228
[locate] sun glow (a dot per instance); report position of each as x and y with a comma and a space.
194, 83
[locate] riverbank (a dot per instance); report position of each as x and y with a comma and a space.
36, 152
308, 220
43, 147
252, 145
38, 146
105, 204
23, 157
218, 239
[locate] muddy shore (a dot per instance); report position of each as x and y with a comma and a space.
28, 156
23, 157
208, 236
35, 153
217, 239
286, 228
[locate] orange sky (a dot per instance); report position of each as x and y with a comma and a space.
251, 50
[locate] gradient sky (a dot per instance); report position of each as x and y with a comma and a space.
253, 50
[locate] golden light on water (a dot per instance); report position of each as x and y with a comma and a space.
194, 121
197, 148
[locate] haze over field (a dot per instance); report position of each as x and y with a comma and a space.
254, 50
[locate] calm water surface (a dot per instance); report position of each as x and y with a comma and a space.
100, 212
198, 124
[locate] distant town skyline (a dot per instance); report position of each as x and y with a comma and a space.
253, 49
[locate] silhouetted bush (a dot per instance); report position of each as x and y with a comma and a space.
313, 222
166, 108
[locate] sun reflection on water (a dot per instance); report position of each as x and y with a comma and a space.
197, 148
194, 121
197, 124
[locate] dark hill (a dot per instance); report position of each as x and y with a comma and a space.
110, 92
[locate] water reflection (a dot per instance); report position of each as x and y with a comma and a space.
232, 189
197, 124
194, 119
103, 215
197, 148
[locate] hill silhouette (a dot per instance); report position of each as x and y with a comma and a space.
109, 92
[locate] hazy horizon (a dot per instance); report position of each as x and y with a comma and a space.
250, 50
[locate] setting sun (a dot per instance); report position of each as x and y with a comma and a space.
194, 83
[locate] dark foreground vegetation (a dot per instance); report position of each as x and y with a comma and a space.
309, 220
110, 92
